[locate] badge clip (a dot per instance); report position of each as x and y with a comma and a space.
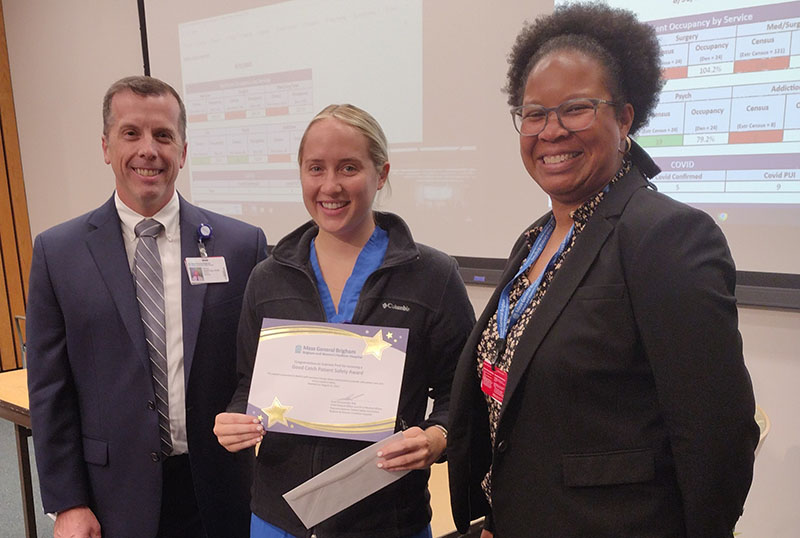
204, 232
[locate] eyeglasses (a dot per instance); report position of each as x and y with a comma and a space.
573, 115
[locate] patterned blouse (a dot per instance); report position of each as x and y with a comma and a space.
489, 337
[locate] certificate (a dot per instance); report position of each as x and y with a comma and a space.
328, 379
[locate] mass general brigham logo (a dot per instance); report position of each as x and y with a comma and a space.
392, 306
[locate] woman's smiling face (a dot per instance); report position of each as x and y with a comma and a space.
339, 180
572, 167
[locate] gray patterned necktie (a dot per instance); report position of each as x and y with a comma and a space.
150, 295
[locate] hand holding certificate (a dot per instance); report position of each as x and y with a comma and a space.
328, 379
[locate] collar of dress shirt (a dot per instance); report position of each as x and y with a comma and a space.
167, 215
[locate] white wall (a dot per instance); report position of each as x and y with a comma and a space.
64, 55
772, 353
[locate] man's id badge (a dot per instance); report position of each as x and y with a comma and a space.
211, 270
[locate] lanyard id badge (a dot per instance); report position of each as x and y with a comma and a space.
493, 381
506, 318
211, 270
205, 269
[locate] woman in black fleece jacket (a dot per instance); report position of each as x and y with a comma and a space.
368, 264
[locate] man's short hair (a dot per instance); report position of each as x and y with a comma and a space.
144, 87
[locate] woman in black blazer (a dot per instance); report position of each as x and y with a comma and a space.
603, 392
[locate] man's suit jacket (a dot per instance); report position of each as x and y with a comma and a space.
91, 395
628, 410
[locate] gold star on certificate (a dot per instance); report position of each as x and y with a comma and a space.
276, 413
376, 345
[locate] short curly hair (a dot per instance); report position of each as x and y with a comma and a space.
627, 48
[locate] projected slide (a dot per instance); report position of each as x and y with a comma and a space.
252, 81
727, 127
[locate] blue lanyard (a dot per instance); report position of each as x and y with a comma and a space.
506, 319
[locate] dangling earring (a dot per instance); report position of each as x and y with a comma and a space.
628, 144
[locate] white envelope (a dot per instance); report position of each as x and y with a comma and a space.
342, 485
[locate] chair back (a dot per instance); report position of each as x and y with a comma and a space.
21, 339
763, 425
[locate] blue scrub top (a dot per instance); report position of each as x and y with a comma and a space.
369, 259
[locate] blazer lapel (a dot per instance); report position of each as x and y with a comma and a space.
107, 248
569, 276
192, 297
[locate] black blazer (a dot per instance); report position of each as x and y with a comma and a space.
89, 380
628, 409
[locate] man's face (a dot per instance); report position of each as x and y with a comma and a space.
144, 148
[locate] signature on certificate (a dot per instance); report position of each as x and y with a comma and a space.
349, 397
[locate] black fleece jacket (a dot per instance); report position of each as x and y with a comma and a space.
416, 287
